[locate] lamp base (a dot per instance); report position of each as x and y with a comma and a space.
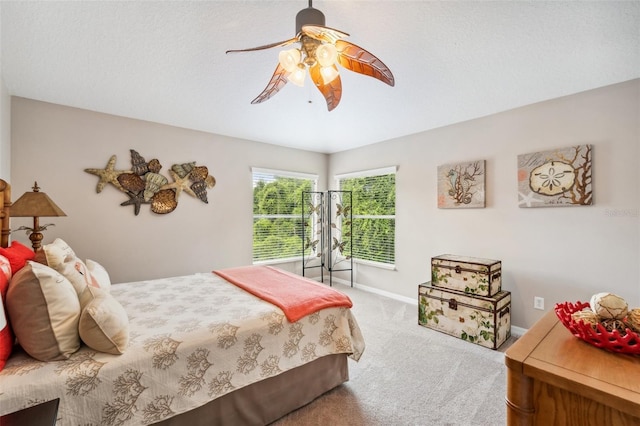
36, 240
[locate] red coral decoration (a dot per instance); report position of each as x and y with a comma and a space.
613, 341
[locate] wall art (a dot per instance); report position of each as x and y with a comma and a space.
559, 177
461, 185
144, 184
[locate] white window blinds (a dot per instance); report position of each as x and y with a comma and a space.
277, 213
374, 213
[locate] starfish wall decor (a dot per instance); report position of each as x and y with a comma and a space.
144, 184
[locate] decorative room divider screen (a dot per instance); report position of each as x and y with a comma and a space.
327, 242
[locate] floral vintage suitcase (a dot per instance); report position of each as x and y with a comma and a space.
485, 321
471, 275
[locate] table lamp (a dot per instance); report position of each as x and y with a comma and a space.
36, 204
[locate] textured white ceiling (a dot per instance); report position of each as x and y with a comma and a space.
452, 61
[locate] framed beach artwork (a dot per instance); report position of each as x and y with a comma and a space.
559, 177
461, 185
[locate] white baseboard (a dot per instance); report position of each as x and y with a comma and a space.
518, 331
515, 331
413, 301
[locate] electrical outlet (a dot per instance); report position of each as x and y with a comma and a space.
538, 303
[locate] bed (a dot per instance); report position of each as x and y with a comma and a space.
201, 350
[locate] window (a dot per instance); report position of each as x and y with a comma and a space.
374, 214
277, 213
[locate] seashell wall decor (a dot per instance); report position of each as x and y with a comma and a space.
144, 184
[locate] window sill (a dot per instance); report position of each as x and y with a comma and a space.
277, 261
387, 266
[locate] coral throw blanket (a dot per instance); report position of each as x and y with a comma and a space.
295, 295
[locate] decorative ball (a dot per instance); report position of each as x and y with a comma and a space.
587, 316
611, 324
633, 319
609, 306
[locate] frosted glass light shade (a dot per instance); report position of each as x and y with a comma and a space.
289, 59
328, 74
326, 54
297, 76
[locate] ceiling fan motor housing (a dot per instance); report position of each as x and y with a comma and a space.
309, 16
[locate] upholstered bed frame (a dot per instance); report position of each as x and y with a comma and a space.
258, 404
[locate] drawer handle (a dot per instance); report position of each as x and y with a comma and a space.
453, 304
458, 269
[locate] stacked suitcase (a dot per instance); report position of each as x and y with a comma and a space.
465, 299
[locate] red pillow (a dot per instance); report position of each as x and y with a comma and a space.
18, 254
6, 335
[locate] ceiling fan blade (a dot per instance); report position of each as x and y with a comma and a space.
277, 82
356, 59
266, 46
321, 33
332, 92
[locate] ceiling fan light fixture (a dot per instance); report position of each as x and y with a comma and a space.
289, 59
321, 50
326, 54
297, 75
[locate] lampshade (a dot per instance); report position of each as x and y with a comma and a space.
329, 74
326, 54
35, 203
297, 76
289, 59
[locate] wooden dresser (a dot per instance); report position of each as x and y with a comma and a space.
554, 378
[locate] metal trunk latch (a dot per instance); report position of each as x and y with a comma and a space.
458, 269
453, 304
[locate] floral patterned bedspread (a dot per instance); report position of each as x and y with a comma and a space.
192, 339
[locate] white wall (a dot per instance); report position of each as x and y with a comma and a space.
561, 253
53, 144
558, 253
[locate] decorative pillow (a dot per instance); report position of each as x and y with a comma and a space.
6, 335
61, 257
5, 267
99, 274
55, 253
17, 254
77, 273
44, 311
104, 324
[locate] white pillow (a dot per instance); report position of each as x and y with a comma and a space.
104, 324
44, 312
56, 252
77, 273
61, 257
100, 274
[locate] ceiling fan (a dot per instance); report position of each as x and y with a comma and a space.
321, 49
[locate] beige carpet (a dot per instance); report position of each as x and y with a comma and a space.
410, 375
